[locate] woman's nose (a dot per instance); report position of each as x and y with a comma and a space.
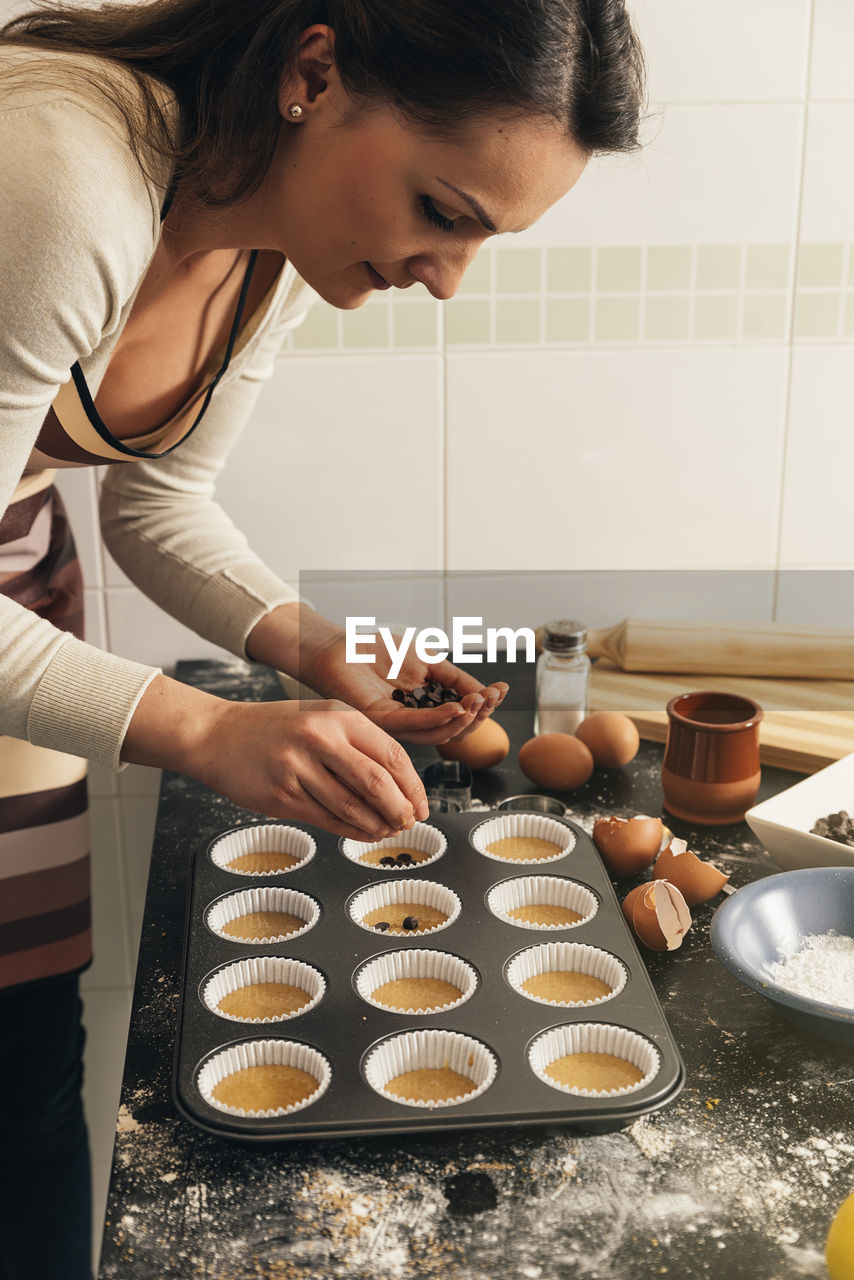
441, 274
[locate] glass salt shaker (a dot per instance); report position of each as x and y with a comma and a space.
563, 670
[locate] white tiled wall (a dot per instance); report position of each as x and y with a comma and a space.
656, 376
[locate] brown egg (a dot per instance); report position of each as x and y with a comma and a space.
698, 881
613, 738
658, 914
487, 745
556, 760
628, 845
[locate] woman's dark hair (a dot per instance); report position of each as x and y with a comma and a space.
439, 62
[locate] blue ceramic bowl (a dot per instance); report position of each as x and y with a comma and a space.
768, 920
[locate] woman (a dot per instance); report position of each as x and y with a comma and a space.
175, 179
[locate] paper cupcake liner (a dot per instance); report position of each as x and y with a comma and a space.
522, 824
417, 963
272, 836
427, 892
258, 1053
573, 956
266, 898
554, 891
430, 1049
258, 969
594, 1037
422, 837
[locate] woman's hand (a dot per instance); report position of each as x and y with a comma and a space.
296, 639
319, 762
366, 686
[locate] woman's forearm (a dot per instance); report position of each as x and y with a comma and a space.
290, 638
172, 727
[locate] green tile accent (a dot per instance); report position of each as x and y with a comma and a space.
467, 320
617, 319
618, 269
849, 315
667, 319
319, 330
518, 270
416, 324
820, 266
767, 266
817, 315
478, 277
517, 320
567, 319
718, 266
716, 317
668, 267
569, 270
765, 315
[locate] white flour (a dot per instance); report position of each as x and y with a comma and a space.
823, 970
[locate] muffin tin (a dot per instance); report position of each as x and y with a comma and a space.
348, 1031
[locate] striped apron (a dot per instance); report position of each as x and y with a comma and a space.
45, 917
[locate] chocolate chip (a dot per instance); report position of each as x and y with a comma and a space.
388, 861
410, 923
382, 926
431, 694
836, 826
404, 860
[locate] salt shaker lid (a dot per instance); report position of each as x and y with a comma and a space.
564, 636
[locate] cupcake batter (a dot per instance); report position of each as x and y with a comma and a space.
544, 913
566, 986
430, 1084
523, 848
408, 994
262, 860
264, 1000
257, 925
269, 1087
396, 912
602, 1072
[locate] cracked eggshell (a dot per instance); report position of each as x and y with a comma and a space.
658, 914
697, 881
628, 845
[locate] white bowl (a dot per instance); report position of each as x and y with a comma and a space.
783, 822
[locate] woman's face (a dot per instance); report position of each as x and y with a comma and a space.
357, 204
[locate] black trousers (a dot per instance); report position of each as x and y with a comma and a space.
45, 1175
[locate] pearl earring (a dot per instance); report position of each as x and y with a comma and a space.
295, 111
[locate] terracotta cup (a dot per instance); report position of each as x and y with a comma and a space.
710, 773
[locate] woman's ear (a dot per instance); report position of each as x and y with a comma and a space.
313, 71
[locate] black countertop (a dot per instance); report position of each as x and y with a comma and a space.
737, 1179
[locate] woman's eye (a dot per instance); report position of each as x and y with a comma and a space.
432, 214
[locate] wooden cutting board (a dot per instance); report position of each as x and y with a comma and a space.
808, 723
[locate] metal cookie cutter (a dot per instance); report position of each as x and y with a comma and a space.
448, 785
534, 804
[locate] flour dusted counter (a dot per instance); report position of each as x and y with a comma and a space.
736, 1179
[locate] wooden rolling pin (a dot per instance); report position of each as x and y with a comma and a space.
725, 648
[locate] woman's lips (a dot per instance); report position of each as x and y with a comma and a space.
378, 281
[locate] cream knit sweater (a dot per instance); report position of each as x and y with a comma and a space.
79, 223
